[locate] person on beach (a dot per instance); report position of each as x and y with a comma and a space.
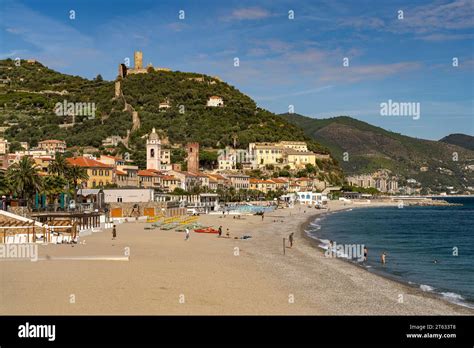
290, 239
382, 259
366, 252
187, 234
220, 232
227, 233
263, 215
114, 232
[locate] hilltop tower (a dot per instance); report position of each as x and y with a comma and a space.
193, 157
153, 151
138, 58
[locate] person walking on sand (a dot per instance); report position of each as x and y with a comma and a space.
366, 252
220, 231
114, 232
382, 258
227, 233
290, 239
263, 215
187, 234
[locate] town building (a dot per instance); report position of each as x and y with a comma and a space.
4, 146
52, 146
291, 154
112, 141
238, 181
264, 186
137, 195
215, 101
100, 174
148, 179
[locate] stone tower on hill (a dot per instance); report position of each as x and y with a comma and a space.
193, 157
138, 58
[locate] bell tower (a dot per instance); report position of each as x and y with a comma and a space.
153, 151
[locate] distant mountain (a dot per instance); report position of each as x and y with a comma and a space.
463, 140
368, 148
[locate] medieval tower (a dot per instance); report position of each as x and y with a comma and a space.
138, 59
153, 151
193, 157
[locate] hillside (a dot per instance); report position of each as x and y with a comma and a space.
370, 148
29, 93
462, 140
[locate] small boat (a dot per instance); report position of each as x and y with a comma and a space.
206, 230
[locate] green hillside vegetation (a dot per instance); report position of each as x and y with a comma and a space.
27, 104
370, 148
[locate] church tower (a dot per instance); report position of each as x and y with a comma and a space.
153, 151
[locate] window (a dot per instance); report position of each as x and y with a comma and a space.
152, 153
119, 199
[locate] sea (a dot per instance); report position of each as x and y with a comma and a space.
431, 248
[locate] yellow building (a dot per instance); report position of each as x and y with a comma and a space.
262, 185
268, 154
298, 159
100, 174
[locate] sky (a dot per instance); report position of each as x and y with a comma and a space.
291, 54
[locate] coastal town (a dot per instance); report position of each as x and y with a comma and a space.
203, 173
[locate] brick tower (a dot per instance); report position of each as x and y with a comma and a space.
193, 157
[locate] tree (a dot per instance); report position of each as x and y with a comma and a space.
24, 178
53, 186
74, 174
15, 146
59, 166
99, 78
5, 184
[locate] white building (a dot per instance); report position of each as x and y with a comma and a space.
215, 101
311, 198
153, 151
128, 195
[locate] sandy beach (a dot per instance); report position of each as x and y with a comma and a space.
164, 274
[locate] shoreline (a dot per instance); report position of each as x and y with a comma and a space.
385, 275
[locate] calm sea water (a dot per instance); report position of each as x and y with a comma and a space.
413, 238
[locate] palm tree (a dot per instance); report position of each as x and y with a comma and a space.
53, 186
24, 178
74, 174
59, 166
5, 184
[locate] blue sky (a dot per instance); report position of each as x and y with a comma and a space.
283, 61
